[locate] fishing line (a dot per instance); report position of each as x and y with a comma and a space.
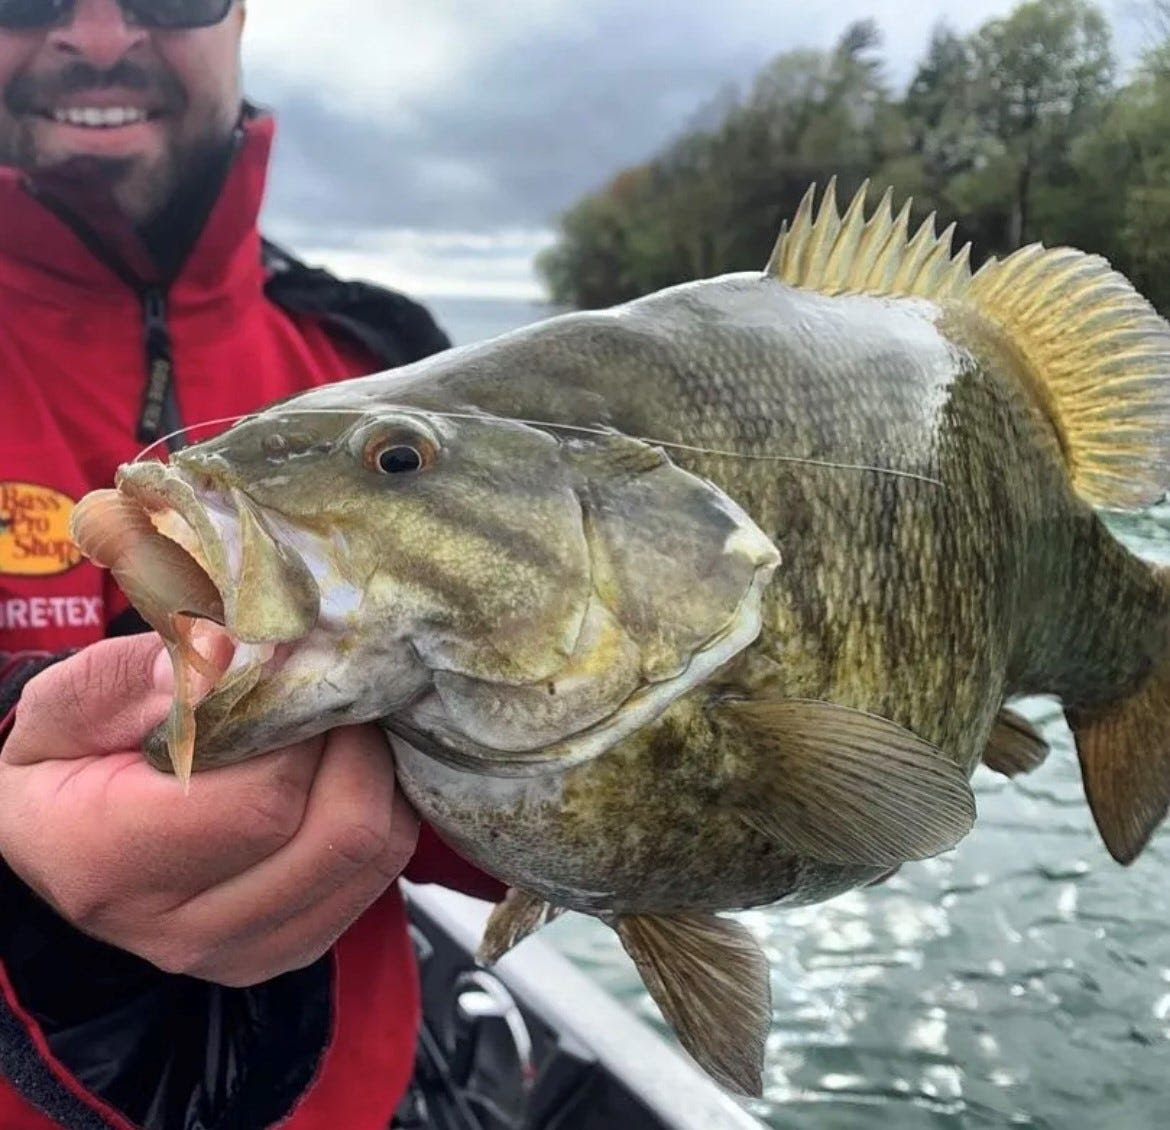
799, 460
186, 428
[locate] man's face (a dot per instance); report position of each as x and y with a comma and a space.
137, 108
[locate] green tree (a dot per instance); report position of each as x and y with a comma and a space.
589, 266
940, 109
1043, 74
1123, 188
712, 201
1158, 57
946, 148
1017, 132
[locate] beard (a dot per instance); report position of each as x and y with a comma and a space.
144, 190
141, 186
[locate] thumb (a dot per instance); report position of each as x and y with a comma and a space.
105, 698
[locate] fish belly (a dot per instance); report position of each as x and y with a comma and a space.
596, 838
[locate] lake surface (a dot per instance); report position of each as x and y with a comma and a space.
1021, 980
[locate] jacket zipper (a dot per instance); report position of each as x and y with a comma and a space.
159, 415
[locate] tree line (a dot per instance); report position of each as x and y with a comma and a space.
1022, 131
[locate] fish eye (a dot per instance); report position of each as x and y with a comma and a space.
400, 454
398, 459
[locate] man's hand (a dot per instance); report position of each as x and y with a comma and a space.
258, 870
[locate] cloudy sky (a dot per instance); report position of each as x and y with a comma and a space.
431, 145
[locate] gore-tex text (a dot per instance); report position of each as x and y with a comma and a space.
51, 612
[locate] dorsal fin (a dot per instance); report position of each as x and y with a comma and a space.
850, 254
1097, 348
1103, 354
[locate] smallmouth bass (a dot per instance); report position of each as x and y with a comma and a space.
709, 601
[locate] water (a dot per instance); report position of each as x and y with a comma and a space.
1021, 980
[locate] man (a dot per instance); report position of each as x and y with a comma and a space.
237, 957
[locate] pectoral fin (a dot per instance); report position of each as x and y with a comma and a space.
1015, 745
842, 786
710, 979
512, 920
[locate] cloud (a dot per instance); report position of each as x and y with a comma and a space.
385, 58
425, 262
474, 116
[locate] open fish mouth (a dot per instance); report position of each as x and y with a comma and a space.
183, 557
267, 591
164, 574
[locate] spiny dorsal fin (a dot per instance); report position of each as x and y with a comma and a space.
1097, 348
850, 254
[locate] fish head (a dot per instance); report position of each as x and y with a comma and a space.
503, 594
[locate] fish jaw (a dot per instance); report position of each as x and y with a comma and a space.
335, 674
273, 696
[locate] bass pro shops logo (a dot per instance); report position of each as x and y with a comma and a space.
34, 531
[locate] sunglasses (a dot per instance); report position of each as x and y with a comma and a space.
24, 15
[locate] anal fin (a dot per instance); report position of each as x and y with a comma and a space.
1015, 745
511, 921
710, 979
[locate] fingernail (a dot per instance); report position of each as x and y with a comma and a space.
163, 672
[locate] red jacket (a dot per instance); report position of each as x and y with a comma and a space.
75, 349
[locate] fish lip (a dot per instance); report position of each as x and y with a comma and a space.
159, 489
215, 514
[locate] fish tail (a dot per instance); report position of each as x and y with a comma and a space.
1096, 352
1124, 749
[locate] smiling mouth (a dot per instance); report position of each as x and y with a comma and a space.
99, 117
